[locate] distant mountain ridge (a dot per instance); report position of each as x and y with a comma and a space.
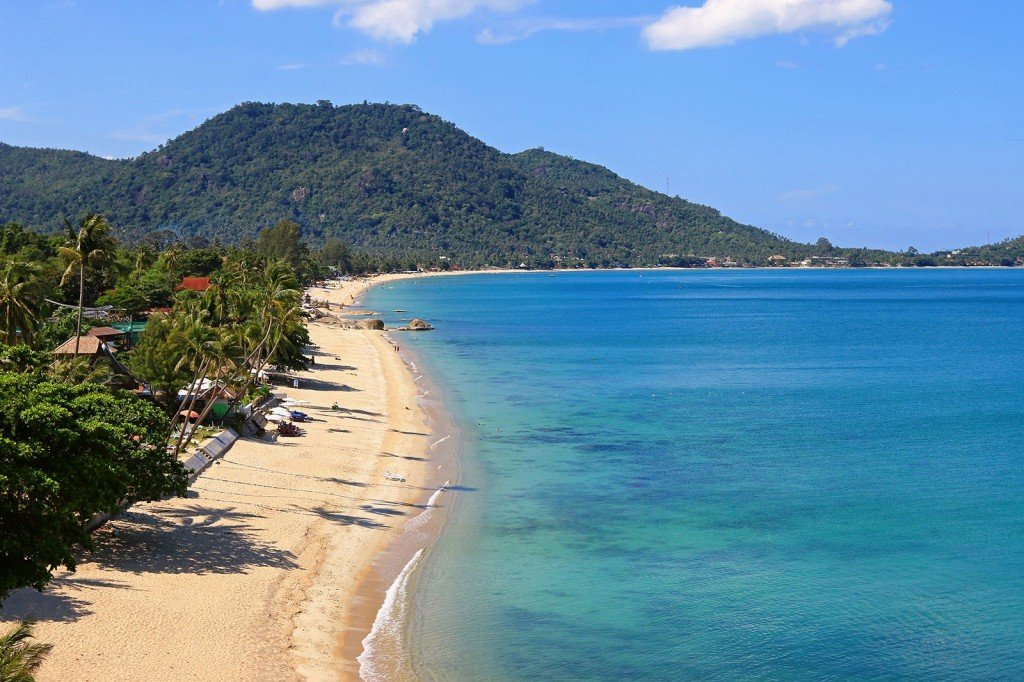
383, 177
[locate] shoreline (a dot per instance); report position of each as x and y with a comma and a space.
260, 571
371, 644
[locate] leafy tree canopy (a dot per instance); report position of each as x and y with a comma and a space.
68, 453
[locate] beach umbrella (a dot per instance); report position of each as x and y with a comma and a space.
276, 418
189, 414
280, 411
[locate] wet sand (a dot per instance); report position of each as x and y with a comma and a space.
255, 575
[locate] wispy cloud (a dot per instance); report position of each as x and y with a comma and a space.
161, 127
16, 114
364, 58
269, 5
712, 24
725, 22
400, 21
294, 66
787, 64
521, 30
796, 195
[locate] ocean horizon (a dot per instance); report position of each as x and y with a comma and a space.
724, 475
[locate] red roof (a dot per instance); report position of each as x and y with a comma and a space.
193, 284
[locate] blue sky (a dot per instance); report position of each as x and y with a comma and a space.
871, 122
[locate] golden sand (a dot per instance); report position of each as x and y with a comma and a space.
255, 575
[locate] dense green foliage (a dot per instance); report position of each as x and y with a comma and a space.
19, 657
387, 179
250, 317
1007, 252
73, 446
67, 453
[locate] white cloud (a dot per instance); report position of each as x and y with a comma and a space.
787, 64
270, 5
797, 195
403, 20
294, 66
525, 29
16, 114
400, 21
363, 58
724, 22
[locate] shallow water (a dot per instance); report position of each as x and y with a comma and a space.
726, 474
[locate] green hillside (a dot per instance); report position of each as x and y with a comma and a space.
389, 179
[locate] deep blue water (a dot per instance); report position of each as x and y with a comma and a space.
727, 475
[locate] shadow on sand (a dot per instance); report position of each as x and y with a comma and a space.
64, 600
193, 539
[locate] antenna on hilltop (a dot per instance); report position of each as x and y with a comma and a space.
668, 184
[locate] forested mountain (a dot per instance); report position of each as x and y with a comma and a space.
386, 178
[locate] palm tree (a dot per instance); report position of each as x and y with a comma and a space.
18, 658
19, 302
88, 248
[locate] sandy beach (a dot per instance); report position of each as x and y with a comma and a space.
265, 570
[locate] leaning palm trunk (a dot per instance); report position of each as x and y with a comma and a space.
194, 395
81, 304
254, 364
206, 409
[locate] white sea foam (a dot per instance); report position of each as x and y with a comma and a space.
382, 648
437, 494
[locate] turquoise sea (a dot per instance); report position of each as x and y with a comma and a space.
726, 475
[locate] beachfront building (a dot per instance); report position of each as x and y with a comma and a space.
208, 390
97, 351
108, 335
86, 346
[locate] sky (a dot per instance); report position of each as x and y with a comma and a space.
886, 123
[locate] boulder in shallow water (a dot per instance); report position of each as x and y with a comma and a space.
376, 325
419, 325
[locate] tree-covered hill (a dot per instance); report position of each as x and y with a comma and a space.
386, 178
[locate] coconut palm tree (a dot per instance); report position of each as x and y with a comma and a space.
19, 302
89, 247
19, 659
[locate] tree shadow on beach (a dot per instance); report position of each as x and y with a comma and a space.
346, 519
292, 474
382, 511
408, 457
345, 481
397, 503
64, 600
324, 385
247, 485
333, 367
352, 410
360, 419
194, 539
